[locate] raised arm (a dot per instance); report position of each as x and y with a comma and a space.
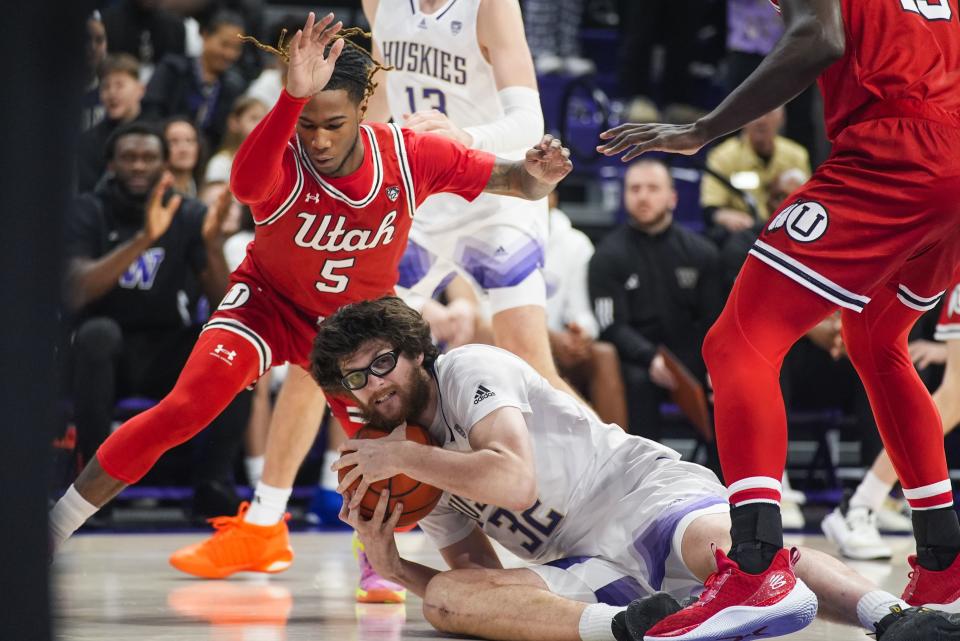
257, 168
814, 39
89, 279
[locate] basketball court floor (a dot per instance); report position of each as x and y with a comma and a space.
119, 587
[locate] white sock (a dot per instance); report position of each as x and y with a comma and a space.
328, 479
70, 512
254, 467
875, 605
268, 505
871, 492
596, 622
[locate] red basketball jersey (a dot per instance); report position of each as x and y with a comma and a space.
902, 56
323, 242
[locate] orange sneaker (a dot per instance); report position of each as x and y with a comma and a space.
237, 546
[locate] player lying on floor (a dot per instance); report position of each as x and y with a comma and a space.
605, 518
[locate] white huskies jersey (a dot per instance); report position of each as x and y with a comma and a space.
587, 471
438, 61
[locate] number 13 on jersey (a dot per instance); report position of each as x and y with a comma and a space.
431, 99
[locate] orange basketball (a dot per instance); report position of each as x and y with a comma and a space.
418, 498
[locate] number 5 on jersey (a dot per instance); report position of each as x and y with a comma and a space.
335, 283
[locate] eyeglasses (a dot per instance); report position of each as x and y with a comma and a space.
380, 367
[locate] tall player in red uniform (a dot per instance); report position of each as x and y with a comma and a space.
333, 202
875, 232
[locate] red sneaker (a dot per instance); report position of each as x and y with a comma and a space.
737, 605
932, 589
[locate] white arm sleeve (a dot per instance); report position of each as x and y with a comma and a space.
520, 127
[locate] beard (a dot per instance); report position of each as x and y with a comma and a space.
413, 395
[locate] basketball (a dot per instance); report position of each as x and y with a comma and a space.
418, 498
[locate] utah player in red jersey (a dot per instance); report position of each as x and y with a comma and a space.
333, 202
875, 232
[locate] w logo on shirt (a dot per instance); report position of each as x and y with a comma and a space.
143, 272
481, 394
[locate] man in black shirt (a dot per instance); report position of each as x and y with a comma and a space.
132, 261
654, 283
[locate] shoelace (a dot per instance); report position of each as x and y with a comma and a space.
712, 586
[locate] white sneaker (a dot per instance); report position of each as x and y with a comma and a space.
790, 515
894, 516
855, 534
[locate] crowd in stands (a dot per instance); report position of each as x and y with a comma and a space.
172, 93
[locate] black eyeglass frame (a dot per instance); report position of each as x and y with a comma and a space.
369, 369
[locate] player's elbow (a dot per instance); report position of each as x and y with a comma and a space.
524, 493
823, 41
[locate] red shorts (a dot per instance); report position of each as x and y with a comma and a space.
948, 327
883, 210
278, 330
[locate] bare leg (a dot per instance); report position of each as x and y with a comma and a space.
503, 605
259, 423
523, 331
96, 486
838, 587
607, 392
293, 427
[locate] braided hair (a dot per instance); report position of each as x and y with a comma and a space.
353, 72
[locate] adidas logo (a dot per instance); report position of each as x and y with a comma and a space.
423, 23
481, 394
500, 251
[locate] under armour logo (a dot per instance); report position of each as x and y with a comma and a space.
632, 283
313, 198
229, 354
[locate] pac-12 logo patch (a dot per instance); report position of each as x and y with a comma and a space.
805, 221
237, 296
455, 27
393, 193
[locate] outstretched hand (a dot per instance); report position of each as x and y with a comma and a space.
309, 70
637, 139
548, 161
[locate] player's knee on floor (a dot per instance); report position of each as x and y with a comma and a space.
437, 602
98, 338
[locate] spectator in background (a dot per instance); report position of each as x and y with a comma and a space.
749, 162
246, 114
553, 34
92, 109
144, 30
120, 93
186, 154
131, 262
654, 283
203, 88
590, 366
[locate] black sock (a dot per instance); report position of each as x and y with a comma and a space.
938, 537
757, 533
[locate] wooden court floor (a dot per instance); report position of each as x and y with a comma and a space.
119, 587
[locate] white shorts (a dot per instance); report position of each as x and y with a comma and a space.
631, 562
497, 244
